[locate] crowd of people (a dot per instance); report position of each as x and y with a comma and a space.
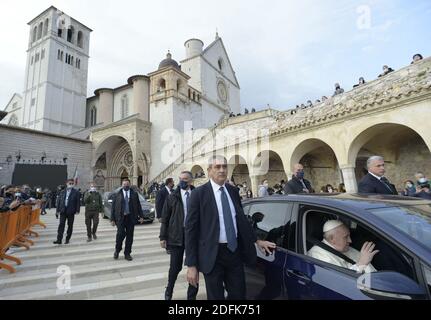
339, 90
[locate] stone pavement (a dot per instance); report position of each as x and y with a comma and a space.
94, 273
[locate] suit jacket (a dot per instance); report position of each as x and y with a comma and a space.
295, 186
73, 203
172, 226
370, 184
202, 230
160, 201
118, 205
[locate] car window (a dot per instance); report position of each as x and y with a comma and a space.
413, 221
427, 272
269, 219
389, 258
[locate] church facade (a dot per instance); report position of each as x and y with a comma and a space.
133, 127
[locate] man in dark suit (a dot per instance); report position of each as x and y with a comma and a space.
172, 231
375, 181
298, 184
126, 208
218, 237
162, 195
69, 204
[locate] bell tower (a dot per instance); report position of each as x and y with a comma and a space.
55, 88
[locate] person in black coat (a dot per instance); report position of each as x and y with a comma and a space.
68, 204
126, 209
219, 239
375, 181
162, 196
298, 184
172, 231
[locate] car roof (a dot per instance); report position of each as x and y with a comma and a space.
347, 201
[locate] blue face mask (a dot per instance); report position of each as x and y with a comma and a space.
300, 175
183, 185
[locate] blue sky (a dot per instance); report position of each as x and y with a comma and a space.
283, 52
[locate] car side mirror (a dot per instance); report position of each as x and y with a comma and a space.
390, 285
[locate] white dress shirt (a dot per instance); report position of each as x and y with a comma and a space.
169, 190
377, 177
184, 198
217, 195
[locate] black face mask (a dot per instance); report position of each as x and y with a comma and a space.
126, 188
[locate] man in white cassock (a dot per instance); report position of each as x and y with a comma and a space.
337, 235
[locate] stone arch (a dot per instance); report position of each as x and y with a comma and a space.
320, 161
268, 165
115, 148
161, 85
239, 171
197, 171
39, 31
45, 27
403, 148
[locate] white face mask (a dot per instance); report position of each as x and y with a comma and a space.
70, 186
93, 189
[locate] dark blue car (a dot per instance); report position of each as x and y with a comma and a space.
399, 226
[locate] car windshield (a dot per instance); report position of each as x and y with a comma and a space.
414, 221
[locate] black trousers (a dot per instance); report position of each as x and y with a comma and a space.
70, 219
91, 216
176, 265
125, 230
228, 273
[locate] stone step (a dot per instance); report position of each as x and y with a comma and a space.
107, 257
44, 243
79, 272
84, 249
97, 287
51, 282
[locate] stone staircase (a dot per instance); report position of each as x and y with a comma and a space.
94, 274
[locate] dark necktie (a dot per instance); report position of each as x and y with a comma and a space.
387, 184
126, 205
232, 243
187, 206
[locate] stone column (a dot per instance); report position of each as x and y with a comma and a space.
141, 96
349, 177
105, 110
254, 185
135, 175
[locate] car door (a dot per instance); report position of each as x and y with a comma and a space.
268, 219
309, 278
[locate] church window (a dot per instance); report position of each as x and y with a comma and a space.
42, 54
70, 33
61, 58
60, 33
199, 97
190, 94
220, 64
34, 34
71, 61
80, 39
178, 85
45, 27
13, 121
39, 31
36, 57
124, 107
162, 85
58, 54
93, 116
194, 96
33, 102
